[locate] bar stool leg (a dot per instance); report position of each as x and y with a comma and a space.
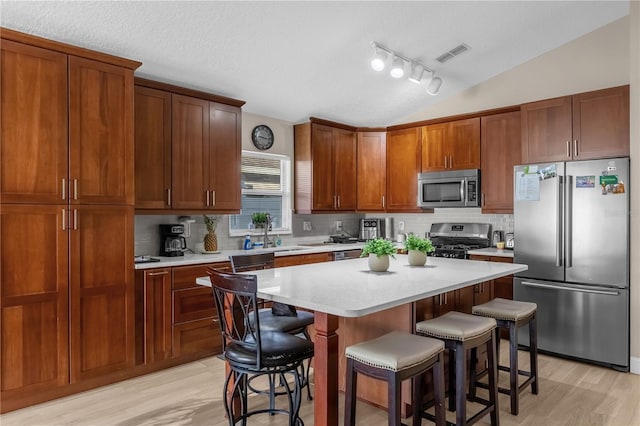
533, 353
452, 385
417, 399
493, 377
461, 375
349, 394
514, 391
393, 401
439, 392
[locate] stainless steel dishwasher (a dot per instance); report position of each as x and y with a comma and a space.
346, 254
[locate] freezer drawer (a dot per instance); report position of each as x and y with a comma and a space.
587, 322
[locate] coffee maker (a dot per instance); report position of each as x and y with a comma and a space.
171, 241
370, 229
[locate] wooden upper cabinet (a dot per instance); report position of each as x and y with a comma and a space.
152, 148
585, 126
500, 152
453, 145
189, 152
404, 152
372, 171
325, 168
601, 123
101, 133
101, 278
33, 140
34, 256
224, 157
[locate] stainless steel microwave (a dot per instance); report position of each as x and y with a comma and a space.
455, 188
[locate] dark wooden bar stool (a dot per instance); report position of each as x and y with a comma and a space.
461, 332
395, 357
512, 314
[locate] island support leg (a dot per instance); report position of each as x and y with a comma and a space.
326, 370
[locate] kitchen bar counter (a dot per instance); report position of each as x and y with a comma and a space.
349, 289
492, 251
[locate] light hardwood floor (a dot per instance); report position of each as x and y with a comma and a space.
571, 393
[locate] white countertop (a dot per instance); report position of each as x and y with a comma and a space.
223, 256
492, 251
348, 289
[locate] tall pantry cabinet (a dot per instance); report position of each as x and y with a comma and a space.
66, 225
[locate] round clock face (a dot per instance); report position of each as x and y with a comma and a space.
262, 137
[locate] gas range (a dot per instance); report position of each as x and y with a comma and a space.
454, 240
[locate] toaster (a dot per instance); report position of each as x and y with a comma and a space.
509, 241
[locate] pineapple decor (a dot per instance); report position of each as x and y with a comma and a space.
211, 239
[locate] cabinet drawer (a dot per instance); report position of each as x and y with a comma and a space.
185, 276
200, 337
193, 304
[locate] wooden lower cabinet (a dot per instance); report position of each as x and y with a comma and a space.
153, 315
199, 337
303, 259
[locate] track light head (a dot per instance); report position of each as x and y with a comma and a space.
434, 85
417, 71
397, 69
380, 57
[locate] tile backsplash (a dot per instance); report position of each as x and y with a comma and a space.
147, 237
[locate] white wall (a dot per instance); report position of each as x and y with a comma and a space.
606, 57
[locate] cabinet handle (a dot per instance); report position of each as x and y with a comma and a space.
154, 274
482, 202
207, 195
338, 197
64, 219
383, 201
75, 189
569, 149
575, 148
451, 161
75, 219
169, 197
445, 161
213, 197
64, 189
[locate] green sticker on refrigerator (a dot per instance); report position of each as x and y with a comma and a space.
608, 180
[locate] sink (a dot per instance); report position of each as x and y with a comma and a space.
282, 249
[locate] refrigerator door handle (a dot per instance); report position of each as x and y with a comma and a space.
559, 223
569, 223
574, 289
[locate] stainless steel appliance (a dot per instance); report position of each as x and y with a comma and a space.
572, 225
346, 254
497, 237
456, 188
454, 240
370, 229
172, 243
509, 241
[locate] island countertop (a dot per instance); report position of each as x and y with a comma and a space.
349, 289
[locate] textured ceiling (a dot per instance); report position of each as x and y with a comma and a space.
293, 60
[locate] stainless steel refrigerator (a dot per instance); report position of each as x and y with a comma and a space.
571, 226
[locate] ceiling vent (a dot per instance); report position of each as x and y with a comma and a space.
452, 53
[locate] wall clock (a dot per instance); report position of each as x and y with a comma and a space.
262, 137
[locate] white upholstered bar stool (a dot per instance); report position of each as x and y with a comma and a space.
460, 332
511, 314
394, 357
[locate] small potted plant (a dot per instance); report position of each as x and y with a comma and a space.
378, 251
417, 249
259, 219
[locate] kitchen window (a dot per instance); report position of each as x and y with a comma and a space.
266, 182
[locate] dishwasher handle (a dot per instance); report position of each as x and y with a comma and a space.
574, 289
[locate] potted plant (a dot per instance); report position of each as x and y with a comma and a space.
259, 219
378, 251
418, 249
210, 239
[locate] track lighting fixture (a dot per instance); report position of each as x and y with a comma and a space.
382, 55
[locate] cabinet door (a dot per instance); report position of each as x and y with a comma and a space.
157, 315
189, 152
344, 155
197, 338
444, 303
435, 153
34, 353
372, 171
601, 124
483, 292
33, 139
101, 133
546, 130
403, 165
500, 152
152, 148
224, 157
463, 139
102, 291
322, 167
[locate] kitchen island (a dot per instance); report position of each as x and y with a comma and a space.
348, 289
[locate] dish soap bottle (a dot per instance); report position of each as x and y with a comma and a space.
247, 242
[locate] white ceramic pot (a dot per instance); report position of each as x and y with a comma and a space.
417, 258
378, 264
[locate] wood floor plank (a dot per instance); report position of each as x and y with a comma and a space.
571, 393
